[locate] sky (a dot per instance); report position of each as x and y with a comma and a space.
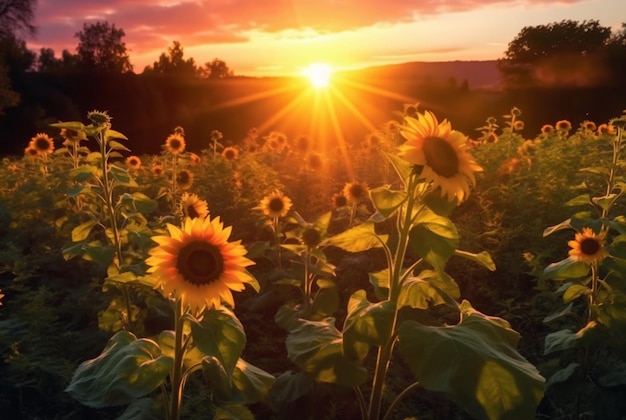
282, 37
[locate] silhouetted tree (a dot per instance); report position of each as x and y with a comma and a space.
100, 48
48, 62
16, 17
15, 60
616, 55
173, 63
563, 53
216, 69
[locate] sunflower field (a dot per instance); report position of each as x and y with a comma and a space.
421, 273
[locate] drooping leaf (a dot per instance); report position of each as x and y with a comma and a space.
233, 412
288, 388
217, 378
143, 409
83, 173
386, 200
127, 369
482, 258
402, 167
357, 239
380, 281
581, 200
219, 334
434, 238
420, 293
82, 231
563, 375
575, 291
366, 324
476, 364
560, 340
325, 302
316, 347
250, 384
568, 268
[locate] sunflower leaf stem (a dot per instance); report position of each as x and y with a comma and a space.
173, 178
307, 282
386, 349
397, 400
176, 375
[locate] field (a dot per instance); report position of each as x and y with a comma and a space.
416, 273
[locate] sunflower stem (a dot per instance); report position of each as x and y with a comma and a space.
176, 375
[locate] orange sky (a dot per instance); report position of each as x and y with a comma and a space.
280, 37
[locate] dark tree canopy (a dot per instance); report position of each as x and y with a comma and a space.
16, 17
560, 53
216, 69
173, 63
100, 48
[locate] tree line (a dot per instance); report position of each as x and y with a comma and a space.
564, 63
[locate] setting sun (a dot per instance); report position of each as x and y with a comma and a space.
319, 74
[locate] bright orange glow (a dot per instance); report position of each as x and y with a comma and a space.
319, 74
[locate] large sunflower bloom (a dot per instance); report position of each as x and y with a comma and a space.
587, 246
440, 151
198, 265
276, 204
193, 206
42, 143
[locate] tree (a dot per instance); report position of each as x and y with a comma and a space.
563, 53
172, 63
48, 62
16, 17
216, 69
15, 60
100, 48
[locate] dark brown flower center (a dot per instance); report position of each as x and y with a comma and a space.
42, 143
441, 157
183, 178
589, 246
191, 212
200, 263
276, 205
311, 237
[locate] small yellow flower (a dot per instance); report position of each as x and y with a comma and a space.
184, 179
175, 143
441, 152
73, 136
275, 204
133, 162
42, 143
198, 264
193, 206
355, 192
587, 246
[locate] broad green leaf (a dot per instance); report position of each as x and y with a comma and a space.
120, 175
127, 369
289, 387
434, 238
113, 134
482, 258
606, 202
357, 239
442, 282
219, 334
115, 145
616, 376
387, 201
581, 200
380, 281
566, 224
563, 375
96, 252
316, 347
111, 318
82, 231
144, 409
560, 340
70, 125
325, 303
575, 291
476, 364
143, 203
438, 203
83, 173
569, 268
76, 191
125, 277
250, 384
559, 314
422, 294
367, 324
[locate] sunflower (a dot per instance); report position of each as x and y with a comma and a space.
99, 118
314, 161
547, 129
606, 129
491, 138
587, 246
355, 192
339, 200
275, 204
31, 152
230, 153
184, 179
589, 125
194, 159
198, 265
193, 206
73, 136
157, 169
133, 162
440, 151
518, 125
42, 143
175, 143
563, 125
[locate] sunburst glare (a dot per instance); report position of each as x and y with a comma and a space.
319, 74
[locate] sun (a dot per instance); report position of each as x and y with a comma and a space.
319, 74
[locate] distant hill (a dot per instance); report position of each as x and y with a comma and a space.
479, 74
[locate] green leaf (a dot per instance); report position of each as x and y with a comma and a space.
120, 175
217, 378
111, 319
476, 364
233, 412
569, 268
387, 201
606, 202
251, 384
325, 302
560, 340
482, 258
115, 145
125, 277
367, 324
127, 369
70, 125
76, 191
426, 292
316, 347
380, 281
142, 203
289, 387
357, 239
143, 409
113, 134
439, 203
83, 173
559, 314
581, 200
96, 252
575, 291
563, 375
598, 170
434, 238
82, 231
219, 334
